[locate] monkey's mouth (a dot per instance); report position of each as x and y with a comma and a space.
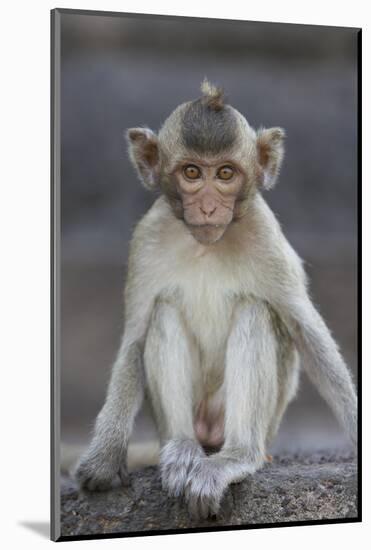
206, 225
207, 233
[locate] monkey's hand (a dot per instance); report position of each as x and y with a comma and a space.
98, 469
177, 459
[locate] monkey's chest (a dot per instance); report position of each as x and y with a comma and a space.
207, 311
208, 316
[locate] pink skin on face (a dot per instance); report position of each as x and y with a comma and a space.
208, 200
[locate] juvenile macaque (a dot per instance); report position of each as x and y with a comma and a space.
217, 312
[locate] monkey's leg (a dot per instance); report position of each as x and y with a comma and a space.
288, 385
288, 374
168, 360
251, 399
105, 457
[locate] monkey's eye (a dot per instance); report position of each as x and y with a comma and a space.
192, 172
225, 173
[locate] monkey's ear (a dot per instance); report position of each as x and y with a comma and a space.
270, 154
144, 154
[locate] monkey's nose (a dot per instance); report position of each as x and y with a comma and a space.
208, 210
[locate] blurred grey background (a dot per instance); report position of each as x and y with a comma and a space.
119, 72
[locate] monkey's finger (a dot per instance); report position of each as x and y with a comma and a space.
84, 483
204, 507
98, 484
124, 475
225, 505
194, 509
214, 508
192, 500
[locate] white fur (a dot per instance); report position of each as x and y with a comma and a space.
220, 321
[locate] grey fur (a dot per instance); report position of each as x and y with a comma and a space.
208, 130
106, 457
177, 461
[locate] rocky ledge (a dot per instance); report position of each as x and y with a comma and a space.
295, 488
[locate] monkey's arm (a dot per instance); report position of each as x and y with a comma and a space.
321, 357
287, 292
282, 283
106, 455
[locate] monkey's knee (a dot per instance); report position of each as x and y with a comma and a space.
255, 317
165, 323
253, 331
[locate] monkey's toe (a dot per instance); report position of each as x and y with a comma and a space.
173, 479
204, 490
124, 475
177, 459
204, 505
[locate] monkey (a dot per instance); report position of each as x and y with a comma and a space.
218, 317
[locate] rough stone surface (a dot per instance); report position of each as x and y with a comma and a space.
293, 488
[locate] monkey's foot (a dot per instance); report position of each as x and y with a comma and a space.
205, 488
177, 459
97, 474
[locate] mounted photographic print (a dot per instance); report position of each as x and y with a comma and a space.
206, 183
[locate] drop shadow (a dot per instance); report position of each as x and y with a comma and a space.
42, 528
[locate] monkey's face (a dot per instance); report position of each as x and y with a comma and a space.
208, 162
208, 193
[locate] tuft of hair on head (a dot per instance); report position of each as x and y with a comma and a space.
213, 96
